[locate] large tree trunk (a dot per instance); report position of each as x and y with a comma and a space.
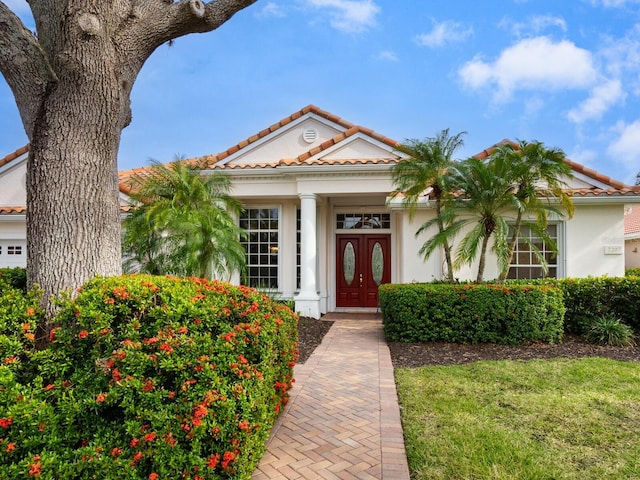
73, 219
72, 83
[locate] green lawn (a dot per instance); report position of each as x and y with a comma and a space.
541, 419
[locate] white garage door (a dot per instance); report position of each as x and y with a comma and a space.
13, 253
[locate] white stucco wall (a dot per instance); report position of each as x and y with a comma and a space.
13, 191
595, 241
590, 244
412, 266
13, 233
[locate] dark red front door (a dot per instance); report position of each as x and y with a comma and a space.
363, 262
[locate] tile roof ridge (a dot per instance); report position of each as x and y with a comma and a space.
575, 166
208, 161
487, 152
591, 173
337, 138
13, 155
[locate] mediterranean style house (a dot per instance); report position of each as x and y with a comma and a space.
323, 229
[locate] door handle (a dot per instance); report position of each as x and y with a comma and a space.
360, 279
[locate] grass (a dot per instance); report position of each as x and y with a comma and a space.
540, 419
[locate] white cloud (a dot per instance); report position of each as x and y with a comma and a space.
533, 25
626, 148
532, 64
272, 9
387, 55
444, 32
350, 16
583, 155
602, 97
614, 3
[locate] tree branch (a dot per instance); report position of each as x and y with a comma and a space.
24, 66
159, 21
196, 16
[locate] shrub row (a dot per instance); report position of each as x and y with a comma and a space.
13, 277
470, 313
589, 298
144, 378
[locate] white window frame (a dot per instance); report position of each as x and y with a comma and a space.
278, 265
558, 264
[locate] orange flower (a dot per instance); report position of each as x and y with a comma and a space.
51, 386
83, 334
34, 469
153, 476
200, 411
26, 327
101, 397
11, 446
150, 437
137, 456
116, 452
148, 386
227, 458
52, 334
134, 442
30, 336
213, 460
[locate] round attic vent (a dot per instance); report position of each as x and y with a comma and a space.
310, 135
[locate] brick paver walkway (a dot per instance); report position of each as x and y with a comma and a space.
343, 419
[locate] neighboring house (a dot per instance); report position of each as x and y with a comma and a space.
632, 236
13, 208
324, 230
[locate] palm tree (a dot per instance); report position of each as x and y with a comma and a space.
539, 175
183, 223
425, 167
485, 195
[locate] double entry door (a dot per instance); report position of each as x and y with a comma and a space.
363, 262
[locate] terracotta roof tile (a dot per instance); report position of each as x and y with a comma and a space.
211, 160
13, 155
617, 187
12, 210
632, 220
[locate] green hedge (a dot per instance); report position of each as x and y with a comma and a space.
15, 277
145, 378
589, 298
504, 314
632, 272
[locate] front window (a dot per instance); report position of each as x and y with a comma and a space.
525, 264
261, 246
363, 221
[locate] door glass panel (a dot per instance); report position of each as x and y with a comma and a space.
349, 263
377, 263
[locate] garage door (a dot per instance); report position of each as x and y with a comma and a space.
13, 253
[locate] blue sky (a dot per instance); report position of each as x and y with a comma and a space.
566, 73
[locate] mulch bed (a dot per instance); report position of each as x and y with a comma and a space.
411, 355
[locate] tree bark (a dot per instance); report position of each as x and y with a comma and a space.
72, 84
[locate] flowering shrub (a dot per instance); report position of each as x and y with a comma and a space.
149, 378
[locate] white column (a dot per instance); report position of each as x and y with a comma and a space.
308, 300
